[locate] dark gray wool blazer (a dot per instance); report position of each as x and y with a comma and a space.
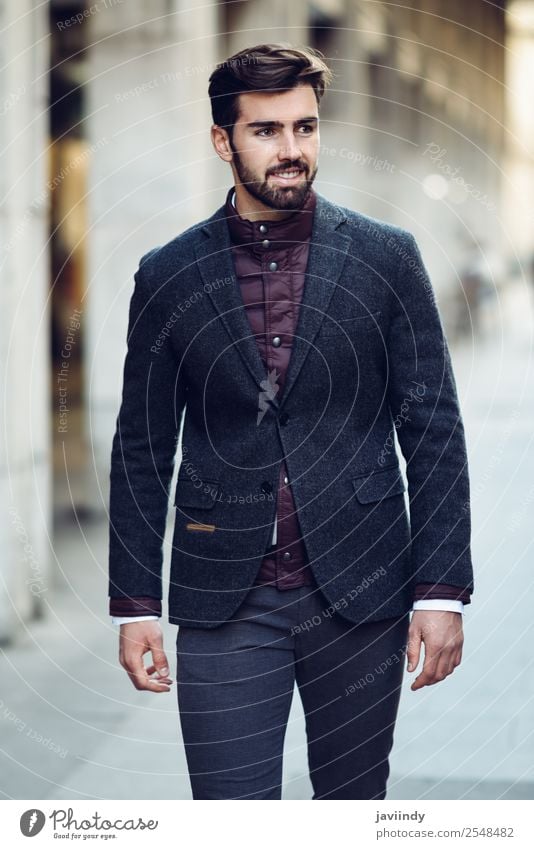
369, 360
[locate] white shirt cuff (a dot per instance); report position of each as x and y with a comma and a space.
122, 620
439, 604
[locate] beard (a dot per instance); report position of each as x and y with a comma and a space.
275, 197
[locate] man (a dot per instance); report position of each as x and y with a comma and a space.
299, 336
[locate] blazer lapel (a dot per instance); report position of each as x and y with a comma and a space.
214, 260
328, 252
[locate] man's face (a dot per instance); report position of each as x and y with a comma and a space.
277, 134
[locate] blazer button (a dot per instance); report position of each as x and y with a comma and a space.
283, 418
265, 243
286, 555
263, 228
266, 487
273, 266
276, 341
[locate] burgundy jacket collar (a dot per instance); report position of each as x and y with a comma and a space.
295, 228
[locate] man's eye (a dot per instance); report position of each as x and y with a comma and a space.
307, 127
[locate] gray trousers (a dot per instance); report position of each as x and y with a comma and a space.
235, 685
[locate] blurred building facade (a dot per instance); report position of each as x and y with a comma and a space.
519, 160
411, 132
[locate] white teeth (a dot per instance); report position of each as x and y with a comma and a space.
288, 174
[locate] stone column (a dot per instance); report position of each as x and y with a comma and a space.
25, 497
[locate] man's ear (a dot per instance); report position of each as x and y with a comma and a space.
221, 143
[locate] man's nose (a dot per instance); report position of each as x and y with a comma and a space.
289, 148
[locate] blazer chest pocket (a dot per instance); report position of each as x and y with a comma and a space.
349, 325
377, 485
201, 494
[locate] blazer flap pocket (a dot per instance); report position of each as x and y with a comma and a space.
378, 485
196, 493
332, 326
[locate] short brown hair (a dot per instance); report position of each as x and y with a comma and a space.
265, 67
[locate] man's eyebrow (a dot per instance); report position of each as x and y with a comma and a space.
312, 118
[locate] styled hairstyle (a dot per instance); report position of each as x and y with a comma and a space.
265, 67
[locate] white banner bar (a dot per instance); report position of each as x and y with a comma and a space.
235, 824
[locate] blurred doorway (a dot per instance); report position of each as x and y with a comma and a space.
68, 163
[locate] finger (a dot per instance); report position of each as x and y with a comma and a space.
413, 650
426, 676
159, 658
139, 678
439, 667
454, 654
454, 660
155, 686
152, 669
445, 665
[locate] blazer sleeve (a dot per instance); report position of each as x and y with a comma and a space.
142, 455
423, 402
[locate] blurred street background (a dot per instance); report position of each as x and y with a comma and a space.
105, 153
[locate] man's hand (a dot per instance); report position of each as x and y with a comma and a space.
441, 632
136, 638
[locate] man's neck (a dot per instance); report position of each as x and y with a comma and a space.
251, 209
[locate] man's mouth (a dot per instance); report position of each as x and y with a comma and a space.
290, 175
